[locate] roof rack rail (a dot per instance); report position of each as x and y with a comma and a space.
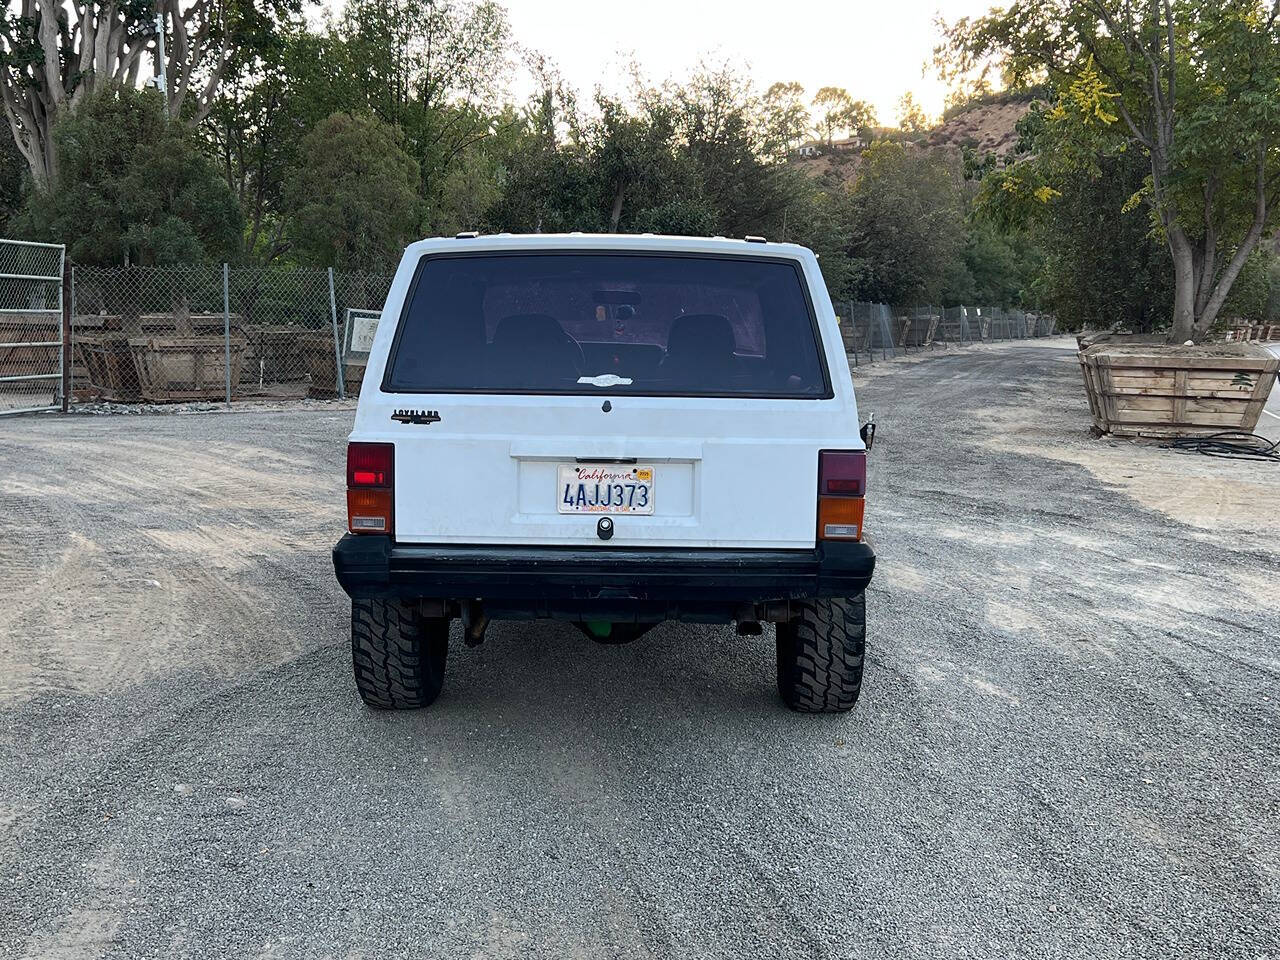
752, 238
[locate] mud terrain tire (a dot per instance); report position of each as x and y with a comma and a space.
820, 655
397, 654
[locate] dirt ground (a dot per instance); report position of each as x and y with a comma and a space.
1066, 744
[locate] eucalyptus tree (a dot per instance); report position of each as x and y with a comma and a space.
55, 53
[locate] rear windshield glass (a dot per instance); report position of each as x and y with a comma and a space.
607, 323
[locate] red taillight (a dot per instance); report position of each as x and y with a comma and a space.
842, 483
371, 464
370, 482
842, 473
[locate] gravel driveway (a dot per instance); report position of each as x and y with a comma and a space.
1066, 744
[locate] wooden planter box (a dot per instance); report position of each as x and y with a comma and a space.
108, 364
1144, 390
317, 353
186, 368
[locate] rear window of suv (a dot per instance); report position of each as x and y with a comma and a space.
570, 323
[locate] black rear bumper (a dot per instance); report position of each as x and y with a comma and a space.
570, 581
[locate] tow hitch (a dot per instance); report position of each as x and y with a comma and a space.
474, 622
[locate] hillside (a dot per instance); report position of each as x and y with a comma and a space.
987, 127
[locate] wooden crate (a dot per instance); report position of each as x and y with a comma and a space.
856, 336
920, 331
88, 326
108, 364
899, 327
1144, 390
317, 353
274, 355
184, 368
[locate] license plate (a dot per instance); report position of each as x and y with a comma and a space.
604, 488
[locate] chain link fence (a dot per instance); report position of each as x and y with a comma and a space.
30, 326
877, 331
219, 333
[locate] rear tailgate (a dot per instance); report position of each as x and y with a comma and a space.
512, 449
470, 479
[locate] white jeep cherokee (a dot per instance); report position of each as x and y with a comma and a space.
611, 430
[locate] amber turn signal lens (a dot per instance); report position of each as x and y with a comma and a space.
369, 511
840, 518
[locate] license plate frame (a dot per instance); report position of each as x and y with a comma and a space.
605, 488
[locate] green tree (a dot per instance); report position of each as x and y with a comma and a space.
838, 111
135, 188
716, 115
1188, 84
276, 89
53, 55
906, 224
1103, 266
681, 158
11, 176
352, 203
435, 69
911, 116
784, 119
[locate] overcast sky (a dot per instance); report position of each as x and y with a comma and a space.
876, 50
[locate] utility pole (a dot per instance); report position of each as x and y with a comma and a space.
160, 63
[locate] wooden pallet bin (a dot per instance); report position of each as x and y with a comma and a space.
899, 328
274, 355
920, 331
1144, 390
23, 332
317, 353
186, 368
856, 336
108, 364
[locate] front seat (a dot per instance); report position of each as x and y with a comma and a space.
699, 350
532, 350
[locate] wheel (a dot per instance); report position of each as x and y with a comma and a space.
397, 654
820, 655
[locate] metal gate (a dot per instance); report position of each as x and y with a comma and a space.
31, 326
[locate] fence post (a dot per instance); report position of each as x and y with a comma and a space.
64, 354
853, 330
226, 326
339, 380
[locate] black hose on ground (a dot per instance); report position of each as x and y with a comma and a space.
1230, 445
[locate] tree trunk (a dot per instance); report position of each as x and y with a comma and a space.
616, 214
1184, 286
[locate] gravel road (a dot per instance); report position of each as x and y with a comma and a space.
1066, 744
